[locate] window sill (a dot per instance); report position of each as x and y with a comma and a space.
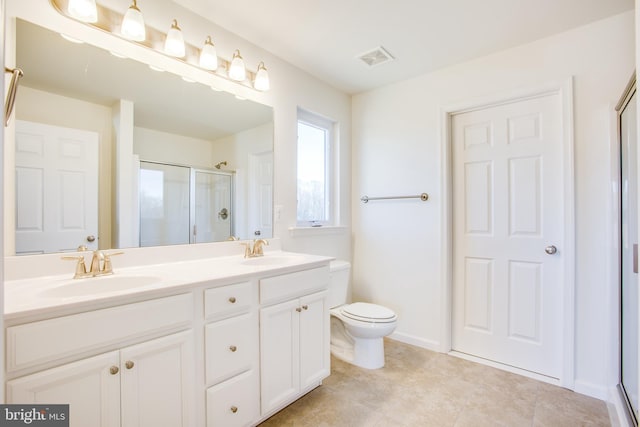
316, 231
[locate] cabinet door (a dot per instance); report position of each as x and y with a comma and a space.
314, 339
88, 386
158, 382
279, 354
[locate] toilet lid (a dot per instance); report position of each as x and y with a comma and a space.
368, 312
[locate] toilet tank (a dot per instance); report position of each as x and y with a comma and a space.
339, 273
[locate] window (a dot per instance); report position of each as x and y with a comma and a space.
315, 139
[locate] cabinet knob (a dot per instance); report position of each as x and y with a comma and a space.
232, 300
234, 409
306, 307
233, 348
298, 309
113, 370
128, 364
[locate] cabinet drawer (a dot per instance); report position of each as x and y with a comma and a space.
235, 402
292, 285
40, 342
231, 347
228, 300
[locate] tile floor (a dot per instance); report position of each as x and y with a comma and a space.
422, 388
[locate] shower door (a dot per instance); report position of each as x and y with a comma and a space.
629, 251
180, 204
164, 204
212, 201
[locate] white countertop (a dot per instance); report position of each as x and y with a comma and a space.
61, 294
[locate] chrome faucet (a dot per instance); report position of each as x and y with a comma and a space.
100, 264
256, 250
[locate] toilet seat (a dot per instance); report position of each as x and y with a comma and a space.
366, 312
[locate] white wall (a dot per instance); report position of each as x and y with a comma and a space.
396, 150
164, 147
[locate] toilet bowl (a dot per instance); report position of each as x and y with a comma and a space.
357, 329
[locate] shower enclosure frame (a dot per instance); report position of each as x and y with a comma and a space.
192, 173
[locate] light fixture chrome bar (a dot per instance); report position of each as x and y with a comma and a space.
424, 197
11, 95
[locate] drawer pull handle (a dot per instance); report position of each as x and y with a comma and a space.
113, 370
128, 364
306, 307
232, 300
233, 348
298, 309
234, 409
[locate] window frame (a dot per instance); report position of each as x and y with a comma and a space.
311, 119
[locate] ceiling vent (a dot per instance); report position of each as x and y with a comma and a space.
375, 57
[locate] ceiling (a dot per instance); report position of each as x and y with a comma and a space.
325, 37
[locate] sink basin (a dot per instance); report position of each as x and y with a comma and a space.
271, 260
98, 285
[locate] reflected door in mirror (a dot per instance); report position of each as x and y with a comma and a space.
56, 188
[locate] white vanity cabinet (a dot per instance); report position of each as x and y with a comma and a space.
231, 355
294, 336
147, 384
221, 352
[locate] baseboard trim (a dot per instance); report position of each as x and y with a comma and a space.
590, 389
417, 341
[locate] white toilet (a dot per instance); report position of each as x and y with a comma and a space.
357, 329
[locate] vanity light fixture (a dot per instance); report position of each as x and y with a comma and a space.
83, 10
132, 28
133, 24
237, 71
174, 43
261, 81
208, 55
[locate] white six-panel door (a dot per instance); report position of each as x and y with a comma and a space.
56, 188
508, 234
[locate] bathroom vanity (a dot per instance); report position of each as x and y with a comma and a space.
222, 341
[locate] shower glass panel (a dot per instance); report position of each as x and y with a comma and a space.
212, 222
629, 252
164, 204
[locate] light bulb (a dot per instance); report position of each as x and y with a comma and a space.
261, 82
133, 24
208, 56
174, 43
237, 70
83, 10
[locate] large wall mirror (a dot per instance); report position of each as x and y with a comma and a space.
202, 159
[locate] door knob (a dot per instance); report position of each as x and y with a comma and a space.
551, 250
91, 238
